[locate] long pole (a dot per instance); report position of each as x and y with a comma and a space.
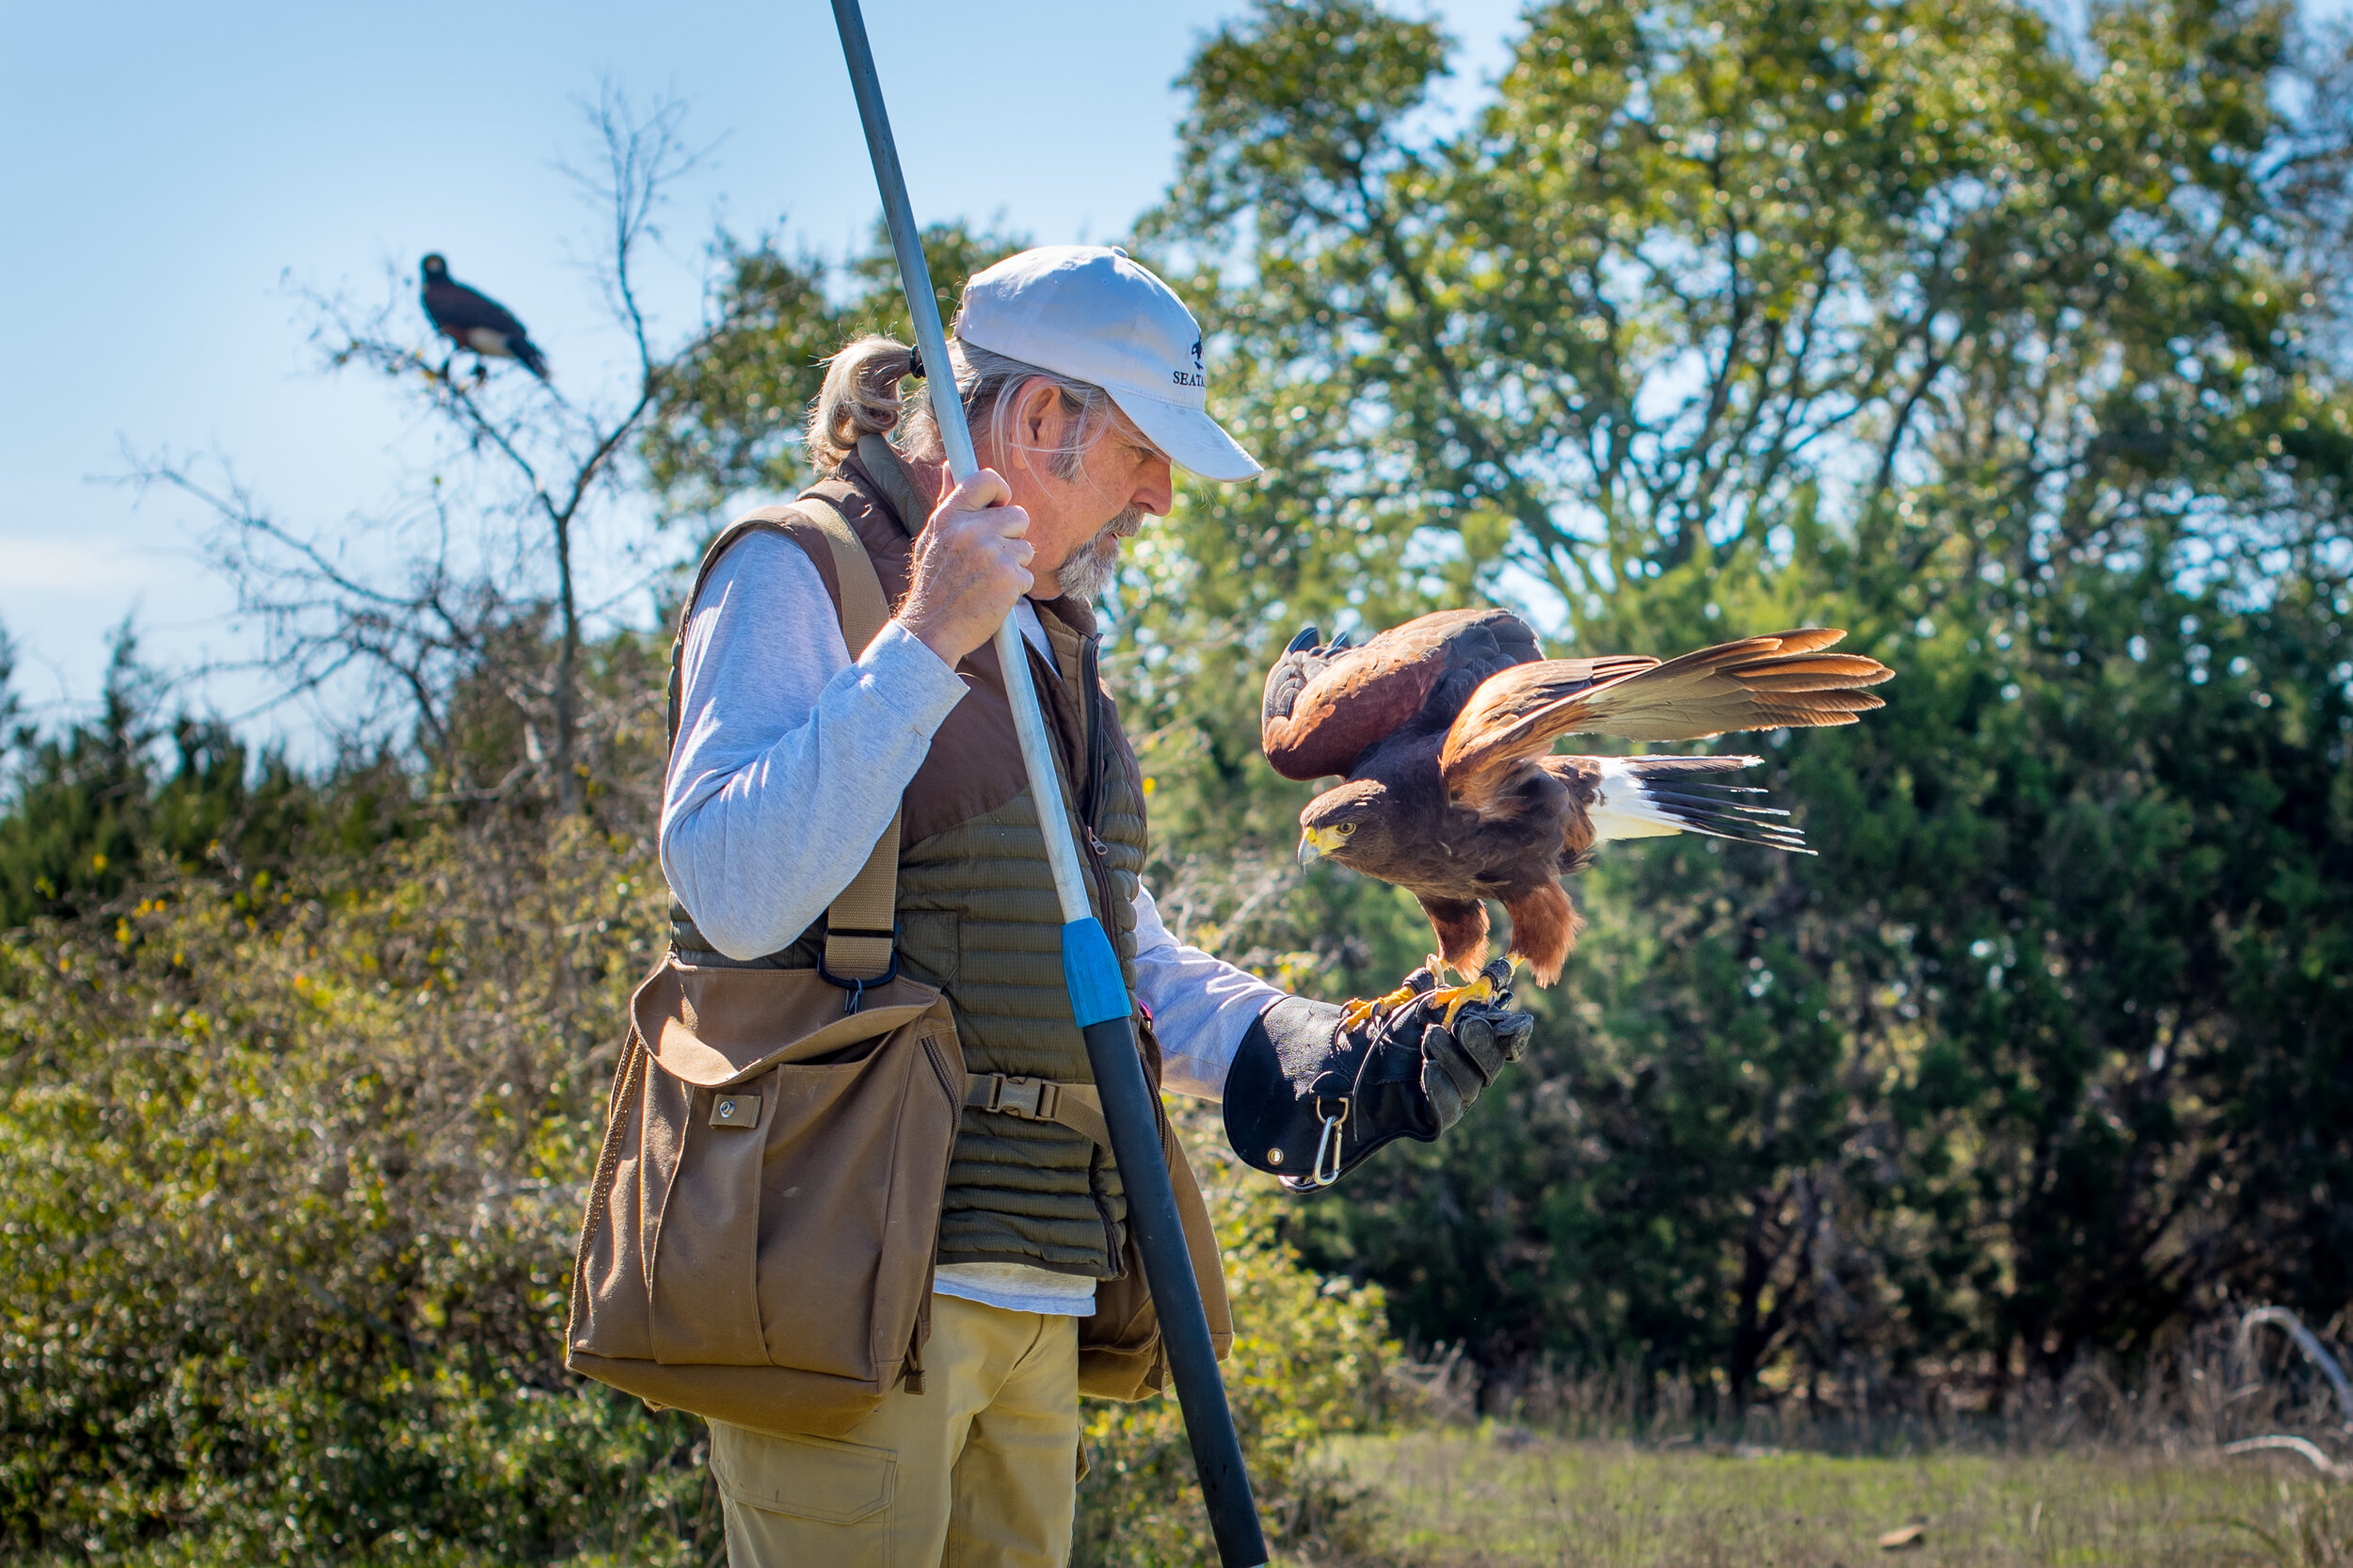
1099, 995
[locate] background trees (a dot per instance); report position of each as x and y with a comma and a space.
2018, 361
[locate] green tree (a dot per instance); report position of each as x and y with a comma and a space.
1727, 316
84, 807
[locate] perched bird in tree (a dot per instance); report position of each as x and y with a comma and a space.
477, 322
1443, 730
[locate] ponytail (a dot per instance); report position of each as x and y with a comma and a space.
861, 398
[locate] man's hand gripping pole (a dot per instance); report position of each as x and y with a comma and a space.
1099, 995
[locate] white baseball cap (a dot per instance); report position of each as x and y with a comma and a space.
1090, 312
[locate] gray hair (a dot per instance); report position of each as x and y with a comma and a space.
862, 397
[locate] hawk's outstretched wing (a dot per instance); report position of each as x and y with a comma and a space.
1755, 683
1327, 706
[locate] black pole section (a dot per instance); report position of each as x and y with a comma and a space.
1098, 997
1175, 1292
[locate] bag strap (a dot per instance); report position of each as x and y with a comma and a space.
1075, 1106
861, 931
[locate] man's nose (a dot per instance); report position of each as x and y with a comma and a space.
1156, 488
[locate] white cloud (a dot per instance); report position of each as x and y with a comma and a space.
79, 566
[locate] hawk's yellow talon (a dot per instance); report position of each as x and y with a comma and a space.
1459, 996
1480, 990
1355, 1014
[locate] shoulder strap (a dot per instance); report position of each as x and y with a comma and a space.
859, 933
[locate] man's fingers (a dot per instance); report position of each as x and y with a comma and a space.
985, 488
1460, 1065
971, 568
1477, 1037
1447, 1081
1463, 1070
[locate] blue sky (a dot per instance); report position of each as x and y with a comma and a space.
176, 173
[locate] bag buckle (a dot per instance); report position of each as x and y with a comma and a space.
1033, 1099
735, 1110
857, 988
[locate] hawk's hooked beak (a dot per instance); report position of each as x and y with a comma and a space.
1315, 843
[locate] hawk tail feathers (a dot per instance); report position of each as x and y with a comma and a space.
1650, 797
527, 354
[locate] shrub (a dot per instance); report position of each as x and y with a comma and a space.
289, 1184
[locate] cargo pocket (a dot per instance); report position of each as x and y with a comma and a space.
793, 1500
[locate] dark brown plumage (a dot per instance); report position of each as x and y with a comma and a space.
1443, 728
473, 320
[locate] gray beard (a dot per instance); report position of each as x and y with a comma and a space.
1093, 564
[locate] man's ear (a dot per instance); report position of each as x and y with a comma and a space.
1036, 418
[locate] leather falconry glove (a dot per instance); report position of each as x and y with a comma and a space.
1308, 1103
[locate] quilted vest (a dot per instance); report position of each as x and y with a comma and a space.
976, 908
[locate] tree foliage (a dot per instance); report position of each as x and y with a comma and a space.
732, 405
93, 805
2015, 360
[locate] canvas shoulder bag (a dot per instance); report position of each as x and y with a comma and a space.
761, 1225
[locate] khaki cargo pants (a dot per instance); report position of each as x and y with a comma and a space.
979, 1470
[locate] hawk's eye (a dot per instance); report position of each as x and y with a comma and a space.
1346, 829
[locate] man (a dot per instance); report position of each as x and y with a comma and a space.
1085, 379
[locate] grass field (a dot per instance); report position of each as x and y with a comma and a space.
1492, 1499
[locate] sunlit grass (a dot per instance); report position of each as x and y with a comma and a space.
1488, 1499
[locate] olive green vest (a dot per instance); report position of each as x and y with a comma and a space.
977, 912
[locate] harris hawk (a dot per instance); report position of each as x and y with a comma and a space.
1442, 732
475, 322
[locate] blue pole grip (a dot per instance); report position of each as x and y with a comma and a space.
1098, 992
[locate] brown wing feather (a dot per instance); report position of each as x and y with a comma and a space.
1489, 734
1755, 683
1360, 699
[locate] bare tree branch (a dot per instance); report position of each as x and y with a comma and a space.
468, 587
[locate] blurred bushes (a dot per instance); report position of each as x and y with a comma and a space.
290, 1176
2020, 357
